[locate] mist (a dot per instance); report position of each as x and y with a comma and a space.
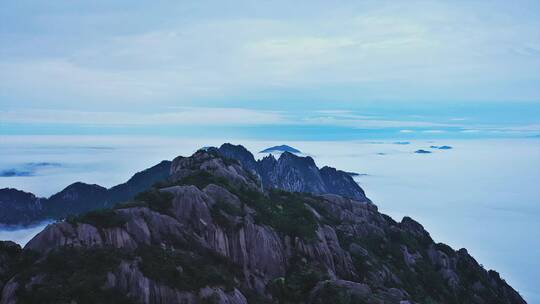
481, 195
21, 234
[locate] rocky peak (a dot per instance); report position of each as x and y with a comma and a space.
77, 190
212, 236
413, 227
211, 162
291, 172
293, 158
239, 153
267, 162
76, 198
223, 244
294, 173
342, 183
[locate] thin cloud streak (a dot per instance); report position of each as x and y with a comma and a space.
179, 116
205, 116
214, 116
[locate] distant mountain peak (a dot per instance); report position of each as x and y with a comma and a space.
269, 156
441, 147
281, 149
291, 172
290, 155
18, 207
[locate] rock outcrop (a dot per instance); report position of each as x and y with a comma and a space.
289, 172
294, 173
341, 183
211, 234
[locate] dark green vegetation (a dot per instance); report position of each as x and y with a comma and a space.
188, 270
420, 279
284, 211
336, 295
222, 214
70, 274
301, 278
201, 179
160, 201
155, 199
73, 274
105, 218
12, 259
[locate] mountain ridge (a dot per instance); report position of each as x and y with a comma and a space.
20, 209
277, 173
81, 197
212, 234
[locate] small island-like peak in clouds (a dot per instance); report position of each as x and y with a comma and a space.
281, 149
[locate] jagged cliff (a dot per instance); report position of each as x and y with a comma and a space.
289, 172
294, 173
211, 233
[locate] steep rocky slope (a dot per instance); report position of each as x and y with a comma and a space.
289, 172
295, 173
211, 234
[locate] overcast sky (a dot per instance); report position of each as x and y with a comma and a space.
345, 64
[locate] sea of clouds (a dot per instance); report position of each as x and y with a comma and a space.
482, 194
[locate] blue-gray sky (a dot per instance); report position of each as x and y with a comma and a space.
434, 66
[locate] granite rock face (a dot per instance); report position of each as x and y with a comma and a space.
341, 183
295, 173
208, 162
212, 234
289, 172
